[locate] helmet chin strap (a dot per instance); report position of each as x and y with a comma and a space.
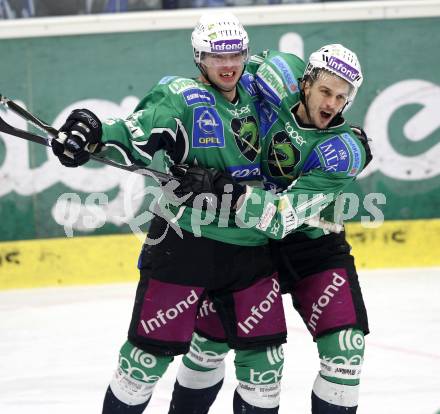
303, 100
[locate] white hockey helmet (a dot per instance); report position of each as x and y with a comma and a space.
340, 61
219, 33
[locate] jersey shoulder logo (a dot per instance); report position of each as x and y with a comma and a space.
167, 79
356, 154
179, 85
287, 74
270, 85
194, 96
248, 82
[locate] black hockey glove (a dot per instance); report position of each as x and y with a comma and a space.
361, 134
197, 180
84, 131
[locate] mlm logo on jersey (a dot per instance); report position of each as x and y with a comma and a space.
207, 128
337, 156
283, 156
247, 136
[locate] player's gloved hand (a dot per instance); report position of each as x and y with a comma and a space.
361, 134
83, 130
197, 180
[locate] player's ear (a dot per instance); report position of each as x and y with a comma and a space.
305, 85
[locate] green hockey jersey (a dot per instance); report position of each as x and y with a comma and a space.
313, 166
192, 123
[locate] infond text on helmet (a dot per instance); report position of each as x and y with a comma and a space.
234, 45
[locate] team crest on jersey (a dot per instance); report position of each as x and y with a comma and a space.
246, 136
283, 156
208, 128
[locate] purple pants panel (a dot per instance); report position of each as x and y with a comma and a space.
259, 309
169, 311
208, 321
325, 300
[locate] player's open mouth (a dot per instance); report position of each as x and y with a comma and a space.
227, 74
325, 115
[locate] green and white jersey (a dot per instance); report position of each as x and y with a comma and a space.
193, 123
313, 166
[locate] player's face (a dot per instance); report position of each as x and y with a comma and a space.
325, 98
224, 70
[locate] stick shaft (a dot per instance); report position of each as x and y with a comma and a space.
53, 132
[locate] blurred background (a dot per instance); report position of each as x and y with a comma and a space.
11, 9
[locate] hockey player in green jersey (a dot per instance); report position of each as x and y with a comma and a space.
207, 122
311, 154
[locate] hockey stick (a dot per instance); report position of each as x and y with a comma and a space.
55, 134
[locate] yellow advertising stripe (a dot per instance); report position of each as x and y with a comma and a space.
406, 243
107, 259
68, 261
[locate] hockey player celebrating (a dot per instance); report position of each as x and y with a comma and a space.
209, 122
311, 153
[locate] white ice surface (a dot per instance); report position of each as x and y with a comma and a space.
59, 346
